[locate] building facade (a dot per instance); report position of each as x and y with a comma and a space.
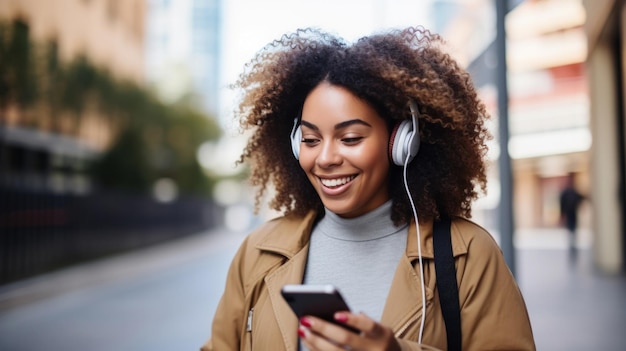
92, 162
183, 40
548, 104
109, 32
46, 147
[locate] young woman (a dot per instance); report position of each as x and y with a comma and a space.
365, 146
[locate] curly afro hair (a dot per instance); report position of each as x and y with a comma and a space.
386, 70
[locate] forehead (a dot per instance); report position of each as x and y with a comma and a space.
333, 104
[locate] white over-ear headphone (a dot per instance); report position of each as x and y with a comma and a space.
405, 138
296, 138
404, 141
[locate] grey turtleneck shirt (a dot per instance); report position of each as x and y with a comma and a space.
357, 255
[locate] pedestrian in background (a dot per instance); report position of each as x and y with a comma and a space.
570, 200
363, 148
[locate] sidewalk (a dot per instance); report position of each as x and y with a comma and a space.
117, 268
571, 305
160, 298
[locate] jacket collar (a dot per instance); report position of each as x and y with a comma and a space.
288, 235
459, 247
288, 245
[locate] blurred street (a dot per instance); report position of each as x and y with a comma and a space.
160, 298
164, 297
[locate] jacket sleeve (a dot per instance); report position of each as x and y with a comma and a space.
228, 321
493, 311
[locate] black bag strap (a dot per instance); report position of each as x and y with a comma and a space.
446, 282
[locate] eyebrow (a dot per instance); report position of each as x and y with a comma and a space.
341, 125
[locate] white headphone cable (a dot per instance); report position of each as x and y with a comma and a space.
419, 250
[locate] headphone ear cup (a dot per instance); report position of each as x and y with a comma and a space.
399, 142
296, 139
404, 141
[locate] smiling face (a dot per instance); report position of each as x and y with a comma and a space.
344, 151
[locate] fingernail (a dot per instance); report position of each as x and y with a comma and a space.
302, 332
341, 317
306, 322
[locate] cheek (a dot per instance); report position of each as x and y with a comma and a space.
372, 158
306, 160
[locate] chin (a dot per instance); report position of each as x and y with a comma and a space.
342, 211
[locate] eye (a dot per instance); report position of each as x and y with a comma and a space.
352, 140
310, 141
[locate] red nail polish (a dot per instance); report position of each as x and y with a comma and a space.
306, 322
301, 333
340, 317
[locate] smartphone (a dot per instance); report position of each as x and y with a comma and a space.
321, 301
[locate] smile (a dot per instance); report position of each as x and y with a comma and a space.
331, 183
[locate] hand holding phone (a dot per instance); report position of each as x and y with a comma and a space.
321, 301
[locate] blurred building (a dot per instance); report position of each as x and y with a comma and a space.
548, 103
43, 146
549, 107
565, 76
183, 50
110, 33
92, 162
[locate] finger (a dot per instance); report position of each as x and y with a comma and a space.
359, 321
329, 333
373, 336
373, 329
314, 341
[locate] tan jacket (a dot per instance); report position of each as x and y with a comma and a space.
252, 315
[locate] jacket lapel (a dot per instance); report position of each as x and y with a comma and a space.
404, 302
290, 273
294, 247
403, 307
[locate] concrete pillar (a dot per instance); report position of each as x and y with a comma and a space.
605, 173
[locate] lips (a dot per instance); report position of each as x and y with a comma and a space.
336, 182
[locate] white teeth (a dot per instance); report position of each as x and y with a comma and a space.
336, 182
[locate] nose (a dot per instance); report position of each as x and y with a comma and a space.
329, 155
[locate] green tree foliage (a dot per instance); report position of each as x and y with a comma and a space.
153, 140
126, 164
17, 73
